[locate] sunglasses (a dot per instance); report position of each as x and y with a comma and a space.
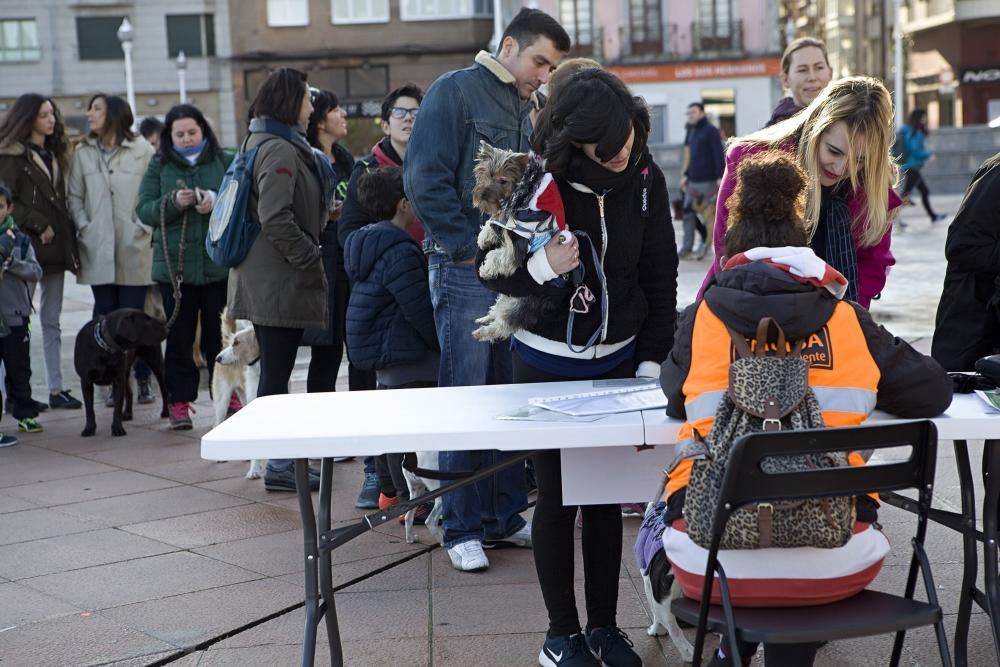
400, 112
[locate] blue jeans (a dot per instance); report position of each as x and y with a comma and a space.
489, 509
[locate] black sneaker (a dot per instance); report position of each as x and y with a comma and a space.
566, 651
284, 480
144, 392
64, 401
613, 647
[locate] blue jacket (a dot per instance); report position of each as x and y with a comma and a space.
915, 155
461, 108
390, 320
708, 156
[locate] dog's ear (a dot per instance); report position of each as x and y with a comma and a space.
485, 151
521, 160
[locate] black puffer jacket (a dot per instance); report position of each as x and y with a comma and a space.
967, 326
636, 252
390, 320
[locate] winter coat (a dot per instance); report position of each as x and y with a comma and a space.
967, 325
40, 202
786, 109
873, 261
707, 158
390, 320
281, 283
115, 246
18, 275
160, 180
461, 108
637, 254
914, 153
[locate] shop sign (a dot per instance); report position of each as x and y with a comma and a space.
982, 75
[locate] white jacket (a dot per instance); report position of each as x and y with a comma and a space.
115, 248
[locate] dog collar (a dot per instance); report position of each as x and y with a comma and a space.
102, 341
254, 361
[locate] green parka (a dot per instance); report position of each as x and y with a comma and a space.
160, 180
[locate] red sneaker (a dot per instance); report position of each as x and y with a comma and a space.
385, 502
180, 418
234, 405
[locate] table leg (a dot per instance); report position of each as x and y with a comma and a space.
312, 606
970, 558
991, 482
325, 565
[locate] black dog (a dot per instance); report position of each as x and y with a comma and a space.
105, 350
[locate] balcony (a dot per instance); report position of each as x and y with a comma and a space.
673, 41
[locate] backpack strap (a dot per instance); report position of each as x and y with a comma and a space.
763, 332
740, 343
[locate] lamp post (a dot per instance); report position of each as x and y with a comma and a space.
182, 64
898, 82
125, 36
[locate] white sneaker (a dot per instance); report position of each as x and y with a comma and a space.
469, 556
521, 538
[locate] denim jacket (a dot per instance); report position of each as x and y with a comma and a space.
461, 108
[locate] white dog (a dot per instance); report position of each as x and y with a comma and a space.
237, 369
419, 486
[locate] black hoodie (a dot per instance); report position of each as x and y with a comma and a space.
910, 385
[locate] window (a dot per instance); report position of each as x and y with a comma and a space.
97, 37
715, 25
19, 41
645, 26
657, 125
440, 10
286, 13
576, 16
359, 11
194, 34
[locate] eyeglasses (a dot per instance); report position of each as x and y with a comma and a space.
401, 112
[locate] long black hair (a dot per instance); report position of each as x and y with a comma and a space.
118, 118
592, 107
176, 113
20, 119
918, 120
323, 101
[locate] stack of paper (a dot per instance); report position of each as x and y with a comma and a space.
605, 402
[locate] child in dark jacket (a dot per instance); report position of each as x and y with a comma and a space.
19, 271
390, 320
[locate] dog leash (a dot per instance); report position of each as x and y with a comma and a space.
175, 278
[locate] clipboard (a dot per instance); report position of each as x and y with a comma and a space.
644, 396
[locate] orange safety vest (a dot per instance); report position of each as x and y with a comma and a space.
843, 375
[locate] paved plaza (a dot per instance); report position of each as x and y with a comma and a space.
134, 550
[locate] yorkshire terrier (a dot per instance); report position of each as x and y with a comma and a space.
509, 188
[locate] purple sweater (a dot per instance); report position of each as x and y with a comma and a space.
873, 262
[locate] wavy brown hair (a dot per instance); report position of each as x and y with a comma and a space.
768, 205
17, 124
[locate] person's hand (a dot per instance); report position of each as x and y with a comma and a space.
563, 257
334, 209
47, 235
684, 183
185, 198
205, 201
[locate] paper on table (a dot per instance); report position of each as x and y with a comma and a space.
991, 398
610, 401
533, 413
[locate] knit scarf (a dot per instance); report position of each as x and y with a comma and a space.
7, 224
585, 171
840, 250
191, 153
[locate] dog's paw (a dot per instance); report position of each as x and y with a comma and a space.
655, 630
253, 474
117, 430
485, 334
88, 430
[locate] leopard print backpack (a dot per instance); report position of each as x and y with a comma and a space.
766, 393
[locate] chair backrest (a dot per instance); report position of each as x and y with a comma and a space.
746, 481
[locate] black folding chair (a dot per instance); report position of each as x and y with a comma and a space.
865, 614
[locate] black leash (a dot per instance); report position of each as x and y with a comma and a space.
176, 278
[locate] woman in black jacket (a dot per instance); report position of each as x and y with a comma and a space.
967, 326
593, 136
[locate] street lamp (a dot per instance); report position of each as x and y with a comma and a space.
182, 64
125, 36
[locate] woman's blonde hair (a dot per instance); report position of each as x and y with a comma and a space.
866, 108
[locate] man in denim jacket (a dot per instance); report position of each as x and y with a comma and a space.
489, 101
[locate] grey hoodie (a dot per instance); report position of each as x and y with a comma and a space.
18, 274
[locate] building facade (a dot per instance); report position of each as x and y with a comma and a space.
953, 66
69, 50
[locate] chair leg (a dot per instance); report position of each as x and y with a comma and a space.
970, 557
991, 530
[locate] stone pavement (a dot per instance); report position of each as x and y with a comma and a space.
133, 550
